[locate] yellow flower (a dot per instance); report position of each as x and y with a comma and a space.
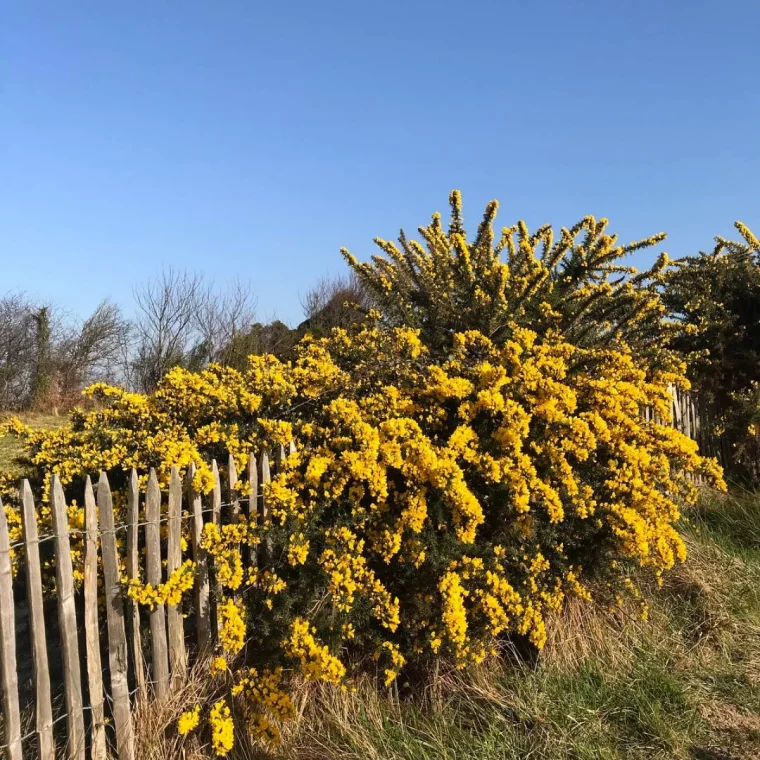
222, 729
188, 720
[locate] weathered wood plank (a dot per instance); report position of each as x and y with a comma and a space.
11, 712
216, 517
175, 622
117, 637
153, 562
266, 476
133, 573
67, 618
216, 495
91, 626
202, 588
279, 458
43, 713
253, 481
232, 494
252, 512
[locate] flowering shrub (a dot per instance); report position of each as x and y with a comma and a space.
442, 493
575, 284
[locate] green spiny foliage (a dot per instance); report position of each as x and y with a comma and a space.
715, 299
576, 284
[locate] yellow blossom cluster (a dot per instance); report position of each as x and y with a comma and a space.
222, 728
179, 582
232, 627
265, 702
189, 720
317, 664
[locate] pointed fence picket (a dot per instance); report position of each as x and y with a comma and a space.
232, 480
200, 557
133, 573
91, 625
216, 518
11, 710
67, 620
153, 575
252, 511
117, 638
175, 622
44, 706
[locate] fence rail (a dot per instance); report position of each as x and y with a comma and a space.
128, 678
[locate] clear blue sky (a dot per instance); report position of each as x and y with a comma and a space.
255, 139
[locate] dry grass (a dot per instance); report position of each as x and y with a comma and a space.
683, 684
156, 736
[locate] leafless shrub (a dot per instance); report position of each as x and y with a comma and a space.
91, 351
334, 302
224, 317
183, 321
168, 307
17, 331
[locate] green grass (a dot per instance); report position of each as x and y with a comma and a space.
10, 448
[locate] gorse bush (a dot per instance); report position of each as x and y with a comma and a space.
453, 481
577, 286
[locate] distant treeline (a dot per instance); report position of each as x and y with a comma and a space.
47, 357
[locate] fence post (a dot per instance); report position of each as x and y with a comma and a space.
153, 562
175, 622
265, 478
43, 704
676, 409
216, 495
279, 458
216, 517
11, 711
266, 547
67, 617
133, 573
232, 480
234, 509
117, 638
202, 592
252, 512
91, 627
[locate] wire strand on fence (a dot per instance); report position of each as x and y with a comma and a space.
122, 526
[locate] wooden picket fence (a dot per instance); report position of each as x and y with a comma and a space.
694, 417
130, 678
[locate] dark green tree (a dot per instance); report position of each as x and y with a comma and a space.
42, 380
715, 297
